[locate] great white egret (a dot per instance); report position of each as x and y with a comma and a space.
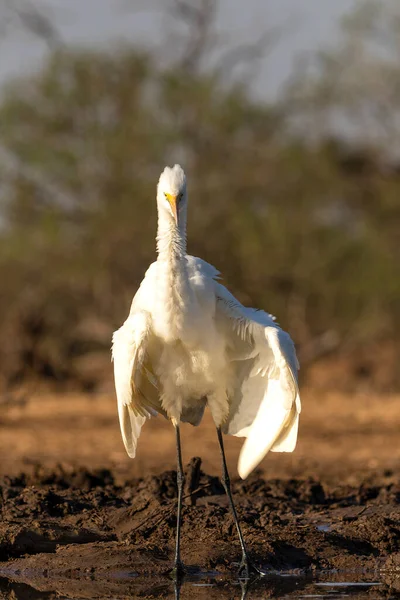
188, 343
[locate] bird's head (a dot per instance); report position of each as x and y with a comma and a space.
171, 193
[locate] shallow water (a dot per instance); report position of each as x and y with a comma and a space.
329, 585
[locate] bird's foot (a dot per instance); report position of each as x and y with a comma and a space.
178, 572
248, 570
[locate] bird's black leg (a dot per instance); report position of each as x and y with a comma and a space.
246, 568
178, 568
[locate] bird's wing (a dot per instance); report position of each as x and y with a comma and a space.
135, 382
143, 299
264, 396
197, 266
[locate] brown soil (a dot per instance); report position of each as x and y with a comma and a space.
85, 521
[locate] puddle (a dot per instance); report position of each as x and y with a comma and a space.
285, 585
350, 583
325, 527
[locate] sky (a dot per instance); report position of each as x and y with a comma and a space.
307, 25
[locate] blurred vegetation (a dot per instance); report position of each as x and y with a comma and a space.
301, 218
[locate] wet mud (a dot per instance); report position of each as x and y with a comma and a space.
76, 532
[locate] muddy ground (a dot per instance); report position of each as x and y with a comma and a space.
79, 519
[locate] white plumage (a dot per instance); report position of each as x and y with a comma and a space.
188, 343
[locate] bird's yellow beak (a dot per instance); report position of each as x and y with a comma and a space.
173, 201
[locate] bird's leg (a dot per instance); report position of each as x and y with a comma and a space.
246, 568
178, 568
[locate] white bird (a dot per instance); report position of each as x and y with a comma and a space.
188, 343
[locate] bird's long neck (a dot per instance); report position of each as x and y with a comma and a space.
171, 241
173, 289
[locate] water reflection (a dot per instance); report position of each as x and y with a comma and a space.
322, 586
